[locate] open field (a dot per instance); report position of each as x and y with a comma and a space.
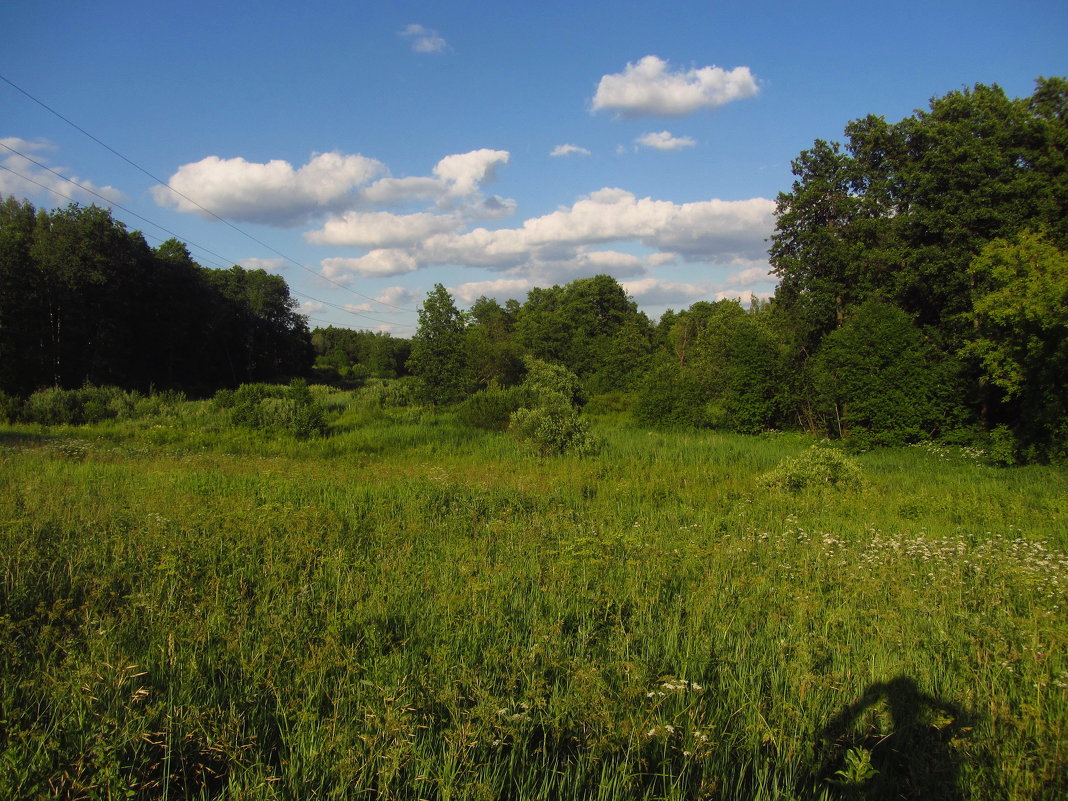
410, 609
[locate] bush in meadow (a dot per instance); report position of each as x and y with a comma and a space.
550, 423
270, 407
492, 408
815, 468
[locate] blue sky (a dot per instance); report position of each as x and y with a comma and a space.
489, 147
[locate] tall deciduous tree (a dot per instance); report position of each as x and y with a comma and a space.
438, 348
900, 212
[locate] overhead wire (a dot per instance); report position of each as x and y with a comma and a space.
207, 211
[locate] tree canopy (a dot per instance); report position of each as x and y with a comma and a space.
83, 300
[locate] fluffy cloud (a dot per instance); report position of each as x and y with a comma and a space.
273, 193
276, 193
649, 87
751, 275
665, 141
463, 172
562, 245
454, 188
559, 244
569, 150
656, 292
389, 301
400, 191
424, 40
27, 174
381, 229
711, 230
377, 263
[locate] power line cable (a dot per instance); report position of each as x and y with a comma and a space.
209, 212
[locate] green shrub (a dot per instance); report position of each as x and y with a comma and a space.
544, 380
817, 467
879, 382
610, 403
386, 393
551, 424
269, 407
492, 408
53, 407
1000, 447
671, 397
552, 430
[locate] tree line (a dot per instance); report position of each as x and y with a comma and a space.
85, 301
923, 293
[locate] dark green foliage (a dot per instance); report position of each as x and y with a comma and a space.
55, 406
878, 382
84, 300
492, 407
9, 407
546, 382
491, 353
721, 367
348, 357
590, 327
271, 407
902, 210
671, 397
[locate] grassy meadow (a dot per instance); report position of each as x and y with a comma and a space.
411, 609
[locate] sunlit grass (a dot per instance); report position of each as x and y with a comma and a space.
411, 609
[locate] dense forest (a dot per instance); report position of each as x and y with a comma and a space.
923, 294
83, 300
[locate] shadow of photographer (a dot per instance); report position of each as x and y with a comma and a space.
896, 742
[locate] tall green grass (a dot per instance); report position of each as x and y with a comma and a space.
411, 609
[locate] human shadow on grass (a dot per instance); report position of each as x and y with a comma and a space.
896, 742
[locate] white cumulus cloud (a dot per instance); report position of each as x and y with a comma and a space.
657, 292
569, 150
274, 193
649, 87
377, 263
381, 229
463, 172
423, 39
715, 231
664, 140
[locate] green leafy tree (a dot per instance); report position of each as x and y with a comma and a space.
491, 352
879, 382
438, 352
902, 209
1020, 309
21, 320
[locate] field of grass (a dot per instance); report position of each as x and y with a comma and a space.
409, 609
